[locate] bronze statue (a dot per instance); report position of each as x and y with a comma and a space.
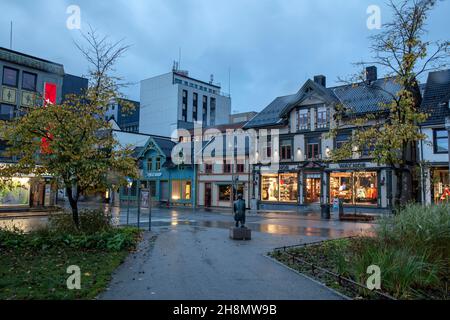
239, 211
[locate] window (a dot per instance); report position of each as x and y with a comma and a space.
322, 118
282, 187
313, 148
356, 188
226, 167
240, 168
6, 112
303, 120
158, 164
286, 150
440, 141
267, 148
3, 147
224, 192
149, 165
441, 185
16, 193
176, 190
10, 76
208, 168
341, 139
186, 189
195, 107
29, 81
181, 190
212, 112
184, 105
205, 109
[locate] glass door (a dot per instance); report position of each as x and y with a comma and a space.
313, 190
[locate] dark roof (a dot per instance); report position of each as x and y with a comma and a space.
165, 145
359, 97
271, 115
436, 97
363, 98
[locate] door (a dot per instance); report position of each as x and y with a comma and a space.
207, 195
313, 190
164, 191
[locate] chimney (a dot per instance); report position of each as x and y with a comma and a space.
321, 79
371, 74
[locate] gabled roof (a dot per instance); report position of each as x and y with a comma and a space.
436, 97
358, 97
163, 145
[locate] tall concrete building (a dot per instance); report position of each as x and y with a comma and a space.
25, 82
175, 101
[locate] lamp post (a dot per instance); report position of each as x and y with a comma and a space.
138, 190
129, 185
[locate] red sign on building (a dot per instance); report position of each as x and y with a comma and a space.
49, 93
49, 97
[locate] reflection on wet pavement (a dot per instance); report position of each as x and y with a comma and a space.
276, 229
276, 224
24, 224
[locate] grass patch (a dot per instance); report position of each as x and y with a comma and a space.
33, 265
412, 250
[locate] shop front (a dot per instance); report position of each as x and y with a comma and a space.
279, 187
23, 192
15, 193
360, 184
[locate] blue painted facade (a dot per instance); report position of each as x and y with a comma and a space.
170, 184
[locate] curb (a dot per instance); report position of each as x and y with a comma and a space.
343, 296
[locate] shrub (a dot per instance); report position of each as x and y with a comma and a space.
91, 221
401, 270
424, 230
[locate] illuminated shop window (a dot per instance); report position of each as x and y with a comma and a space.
282, 187
356, 188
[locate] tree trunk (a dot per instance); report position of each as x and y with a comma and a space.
74, 206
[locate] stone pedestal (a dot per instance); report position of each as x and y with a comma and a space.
240, 233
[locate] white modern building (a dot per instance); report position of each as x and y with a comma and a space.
175, 101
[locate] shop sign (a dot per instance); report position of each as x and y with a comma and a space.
154, 174
355, 165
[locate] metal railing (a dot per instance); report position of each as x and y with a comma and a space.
315, 269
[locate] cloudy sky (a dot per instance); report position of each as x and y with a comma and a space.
271, 46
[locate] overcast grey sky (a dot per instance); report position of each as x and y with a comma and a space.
272, 47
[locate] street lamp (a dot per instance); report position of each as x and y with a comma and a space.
129, 185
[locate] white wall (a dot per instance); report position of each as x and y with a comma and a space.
159, 101
428, 148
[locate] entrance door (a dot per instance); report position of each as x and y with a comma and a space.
207, 195
313, 190
164, 191
37, 194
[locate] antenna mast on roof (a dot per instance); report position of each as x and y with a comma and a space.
179, 58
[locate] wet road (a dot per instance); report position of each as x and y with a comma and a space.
193, 257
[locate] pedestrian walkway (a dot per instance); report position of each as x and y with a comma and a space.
190, 262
